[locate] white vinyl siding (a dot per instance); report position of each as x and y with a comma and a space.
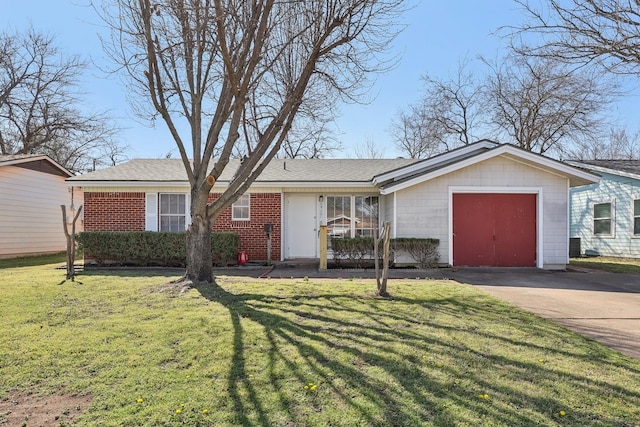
622, 192
432, 197
30, 214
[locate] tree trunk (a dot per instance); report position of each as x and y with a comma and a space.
199, 256
71, 241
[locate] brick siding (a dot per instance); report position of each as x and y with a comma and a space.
126, 212
114, 211
264, 209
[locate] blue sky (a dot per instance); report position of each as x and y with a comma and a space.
439, 34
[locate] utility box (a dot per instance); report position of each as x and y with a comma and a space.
574, 247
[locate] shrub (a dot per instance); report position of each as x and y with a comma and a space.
224, 247
423, 251
151, 248
354, 250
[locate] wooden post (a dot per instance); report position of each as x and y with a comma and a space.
269, 248
382, 282
323, 247
71, 241
385, 256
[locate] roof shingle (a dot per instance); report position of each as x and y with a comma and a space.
278, 170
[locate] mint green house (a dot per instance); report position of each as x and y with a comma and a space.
605, 216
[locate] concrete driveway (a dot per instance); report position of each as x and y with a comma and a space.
602, 306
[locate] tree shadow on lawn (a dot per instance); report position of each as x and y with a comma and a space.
375, 364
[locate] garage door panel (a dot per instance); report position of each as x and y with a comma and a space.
494, 230
515, 244
473, 228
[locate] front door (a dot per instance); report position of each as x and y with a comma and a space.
301, 226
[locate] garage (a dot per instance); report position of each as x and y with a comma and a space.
495, 230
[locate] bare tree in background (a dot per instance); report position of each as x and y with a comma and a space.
598, 32
619, 146
415, 134
545, 107
40, 104
309, 139
368, 150
445, 118
226, 72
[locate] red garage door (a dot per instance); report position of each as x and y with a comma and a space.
497, 230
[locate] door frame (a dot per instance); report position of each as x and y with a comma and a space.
502, 190
286, 226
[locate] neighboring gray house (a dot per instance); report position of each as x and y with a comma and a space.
488, 204
605, 216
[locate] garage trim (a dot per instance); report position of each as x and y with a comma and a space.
515, 190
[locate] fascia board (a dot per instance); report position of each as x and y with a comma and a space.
36, 158
408, 170
530, 159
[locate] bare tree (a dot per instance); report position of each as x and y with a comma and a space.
415, 134
238, 72
310, 139
599, 32
545, 107
446, 117
619, 145
40, 108
368, 150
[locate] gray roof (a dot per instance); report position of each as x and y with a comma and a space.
39, 162
630, 168
12, 157
278, 170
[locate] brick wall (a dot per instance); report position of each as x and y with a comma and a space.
265, 209
126, 212
114, 211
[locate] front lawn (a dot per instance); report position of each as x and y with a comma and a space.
300, 353
611, 264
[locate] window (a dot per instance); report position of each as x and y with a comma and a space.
351, 216
636, 217
338, 217
241, 209
366, 216
172, 212
602, 219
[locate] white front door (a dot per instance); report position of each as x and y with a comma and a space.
301, 226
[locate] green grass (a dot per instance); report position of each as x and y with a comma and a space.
32, 261
245, 349
611, 264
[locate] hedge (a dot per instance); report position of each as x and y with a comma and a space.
423, 251
151, 248
357, 250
